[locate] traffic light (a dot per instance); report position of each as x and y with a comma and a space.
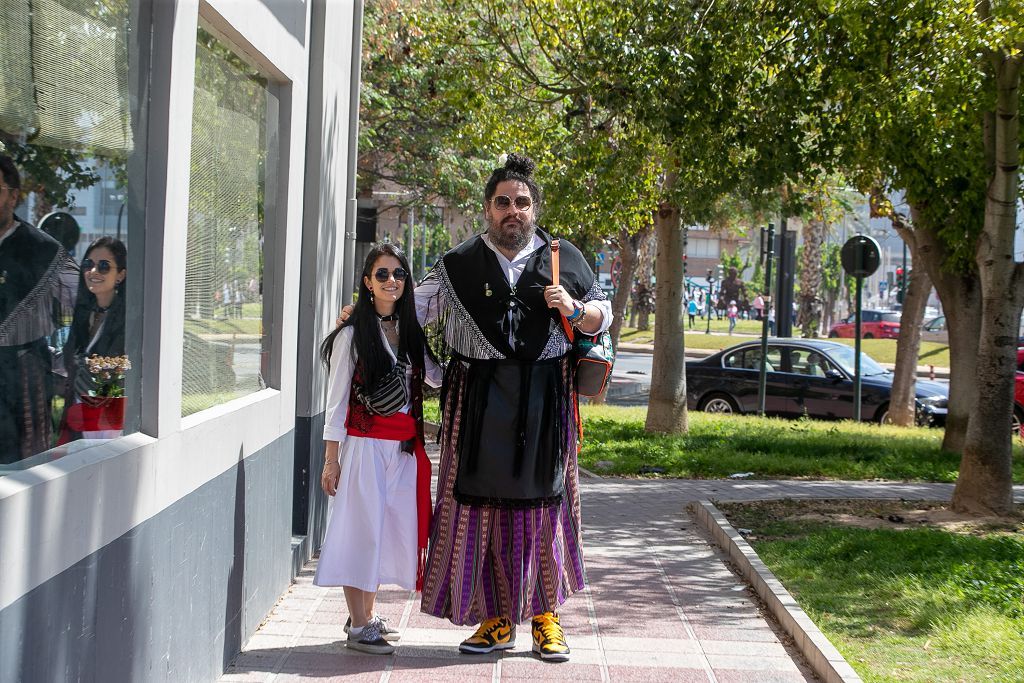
900, 285
686, 234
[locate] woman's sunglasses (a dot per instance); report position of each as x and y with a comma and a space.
102, 266
502, 202
382, 274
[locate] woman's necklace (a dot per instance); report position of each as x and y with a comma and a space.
389, 325
95, 320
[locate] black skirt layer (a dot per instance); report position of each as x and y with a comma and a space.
513, 423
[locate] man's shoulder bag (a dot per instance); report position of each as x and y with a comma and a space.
593, 353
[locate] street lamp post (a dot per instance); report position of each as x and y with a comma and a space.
707, 301
768, 253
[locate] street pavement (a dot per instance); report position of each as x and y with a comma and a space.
662, 604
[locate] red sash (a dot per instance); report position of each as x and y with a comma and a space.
402, 427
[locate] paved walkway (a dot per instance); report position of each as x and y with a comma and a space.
662, 605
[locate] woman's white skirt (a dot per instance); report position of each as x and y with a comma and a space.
371, 526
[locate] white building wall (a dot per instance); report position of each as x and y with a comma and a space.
56, 516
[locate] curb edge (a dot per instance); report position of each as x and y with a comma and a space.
824, 659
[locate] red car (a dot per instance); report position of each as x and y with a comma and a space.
873, 325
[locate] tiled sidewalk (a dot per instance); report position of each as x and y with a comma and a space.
661, 605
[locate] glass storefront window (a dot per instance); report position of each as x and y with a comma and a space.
71, 218
234, 121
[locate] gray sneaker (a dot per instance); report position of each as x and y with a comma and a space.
386, 632
370, 640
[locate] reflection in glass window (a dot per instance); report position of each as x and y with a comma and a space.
223, 346
69, 122
846, 358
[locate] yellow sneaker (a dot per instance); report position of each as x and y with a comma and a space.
498, 633
549, 639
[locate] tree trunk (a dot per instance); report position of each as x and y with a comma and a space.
627, 256
43, 206
638, 276
645, 273
809, 313
961, 301
908, 346
666, 411
985, 483
831, 300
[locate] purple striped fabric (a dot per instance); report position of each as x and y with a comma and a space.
487, 562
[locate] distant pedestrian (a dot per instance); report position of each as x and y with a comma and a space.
225, 299
239, 296
771, 321
691, 310
758, 306
731, 313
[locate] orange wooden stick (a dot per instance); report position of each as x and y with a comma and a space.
554, 262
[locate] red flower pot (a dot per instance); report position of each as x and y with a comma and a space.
96, 413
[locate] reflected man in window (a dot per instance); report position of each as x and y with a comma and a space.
35, 290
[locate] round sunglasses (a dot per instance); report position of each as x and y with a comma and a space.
502, 202
102, 266
382, 274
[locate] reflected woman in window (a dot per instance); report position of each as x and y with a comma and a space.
97, 327
375, 466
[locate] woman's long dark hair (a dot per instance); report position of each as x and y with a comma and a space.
368, 348
85, 303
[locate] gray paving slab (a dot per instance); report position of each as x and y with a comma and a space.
662, 604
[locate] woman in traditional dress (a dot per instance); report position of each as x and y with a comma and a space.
375, 467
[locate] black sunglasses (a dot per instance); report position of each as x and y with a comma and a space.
102, 266
382, 274
502, 202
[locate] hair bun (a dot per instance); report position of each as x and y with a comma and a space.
517, 163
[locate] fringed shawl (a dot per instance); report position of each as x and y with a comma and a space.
38, 283
474, 298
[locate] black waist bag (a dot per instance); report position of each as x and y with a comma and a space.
511, 434
391, 393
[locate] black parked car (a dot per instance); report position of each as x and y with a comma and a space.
805, 377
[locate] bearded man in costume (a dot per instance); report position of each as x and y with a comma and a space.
37, 288
506, 542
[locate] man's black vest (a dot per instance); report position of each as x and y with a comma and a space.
481, 285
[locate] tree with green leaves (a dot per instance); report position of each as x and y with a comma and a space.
927, 101
482, 90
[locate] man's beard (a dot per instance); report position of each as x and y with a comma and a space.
511, 234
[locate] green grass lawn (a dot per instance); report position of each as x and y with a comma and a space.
905, 602
206, 326
882, 350
615, 443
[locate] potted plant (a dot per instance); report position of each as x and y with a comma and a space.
101, 412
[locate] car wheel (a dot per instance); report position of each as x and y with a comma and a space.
1018, 419
869, 336
832, 334
719, 403
882, 417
